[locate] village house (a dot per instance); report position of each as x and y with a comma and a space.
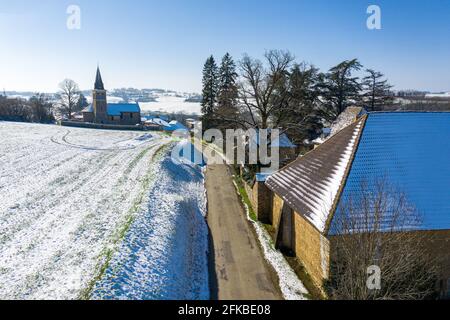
102, 112
410, 149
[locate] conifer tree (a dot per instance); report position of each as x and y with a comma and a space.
227, 90
209, 93
341, 88
377, 92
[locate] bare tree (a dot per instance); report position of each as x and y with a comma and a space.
378, 227
262, 90
68, 97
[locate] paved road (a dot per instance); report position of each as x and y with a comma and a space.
237, 267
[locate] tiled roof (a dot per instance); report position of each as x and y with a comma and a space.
114, 109
283, 140
412, 152
409, 150
310, 184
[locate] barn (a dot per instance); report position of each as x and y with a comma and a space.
411, 149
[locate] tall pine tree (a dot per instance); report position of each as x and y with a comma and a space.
209, 93
377, 92
227, 91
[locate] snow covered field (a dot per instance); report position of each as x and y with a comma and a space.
173, 225
66, 197
172, 104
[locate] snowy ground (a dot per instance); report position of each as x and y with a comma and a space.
66, 195
171, 104
171, 218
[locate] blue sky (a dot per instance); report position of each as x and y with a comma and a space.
163, 43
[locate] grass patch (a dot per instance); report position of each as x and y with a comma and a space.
107, 253
244, 196
137, 159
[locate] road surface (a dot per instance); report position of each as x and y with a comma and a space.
238, 269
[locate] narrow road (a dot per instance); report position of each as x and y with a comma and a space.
238, 269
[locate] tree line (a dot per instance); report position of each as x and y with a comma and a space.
278, 92
44, 108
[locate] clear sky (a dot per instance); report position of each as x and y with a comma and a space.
163, 43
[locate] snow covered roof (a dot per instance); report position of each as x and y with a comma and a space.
410, 149
115, 109
157, 121
175, 125
283, 141
310, 184
350, 115
262, 176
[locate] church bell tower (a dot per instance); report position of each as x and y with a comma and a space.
99, 103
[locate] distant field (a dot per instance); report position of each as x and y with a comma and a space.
65, 193
171, 104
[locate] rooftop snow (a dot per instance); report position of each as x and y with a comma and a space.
311, 183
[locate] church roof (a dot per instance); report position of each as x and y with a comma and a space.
98, 81
115, 109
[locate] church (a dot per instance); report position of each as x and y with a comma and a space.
102, 112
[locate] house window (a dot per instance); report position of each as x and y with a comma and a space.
131, 116
121, 116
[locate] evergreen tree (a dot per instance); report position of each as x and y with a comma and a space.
227, 89
300, 118
377, 92
341, 88
209, 92
82, 102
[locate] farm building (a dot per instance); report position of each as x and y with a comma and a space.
287, 150
102, 112
411, 150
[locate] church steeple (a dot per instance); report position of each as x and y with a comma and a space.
99, 103
98, 81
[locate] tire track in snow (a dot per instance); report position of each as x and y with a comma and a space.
55, 255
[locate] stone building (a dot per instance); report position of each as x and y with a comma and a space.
410, 149
102, 112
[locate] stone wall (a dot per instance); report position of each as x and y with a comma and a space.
312, 249
260, 198
307, 243
100, 126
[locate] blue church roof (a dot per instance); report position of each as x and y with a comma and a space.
412, 150
115, 109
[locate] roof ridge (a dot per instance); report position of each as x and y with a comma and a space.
333, 158
346, 174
